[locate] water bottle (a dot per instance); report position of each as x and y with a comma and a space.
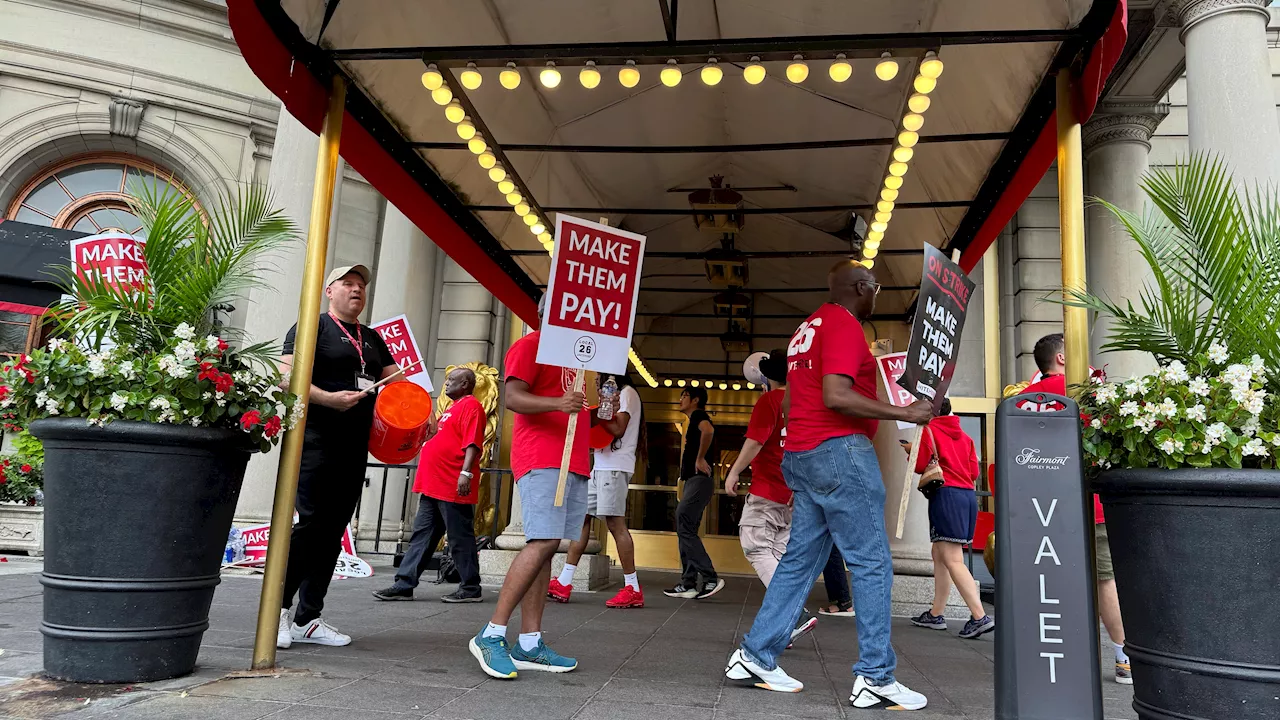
608, 399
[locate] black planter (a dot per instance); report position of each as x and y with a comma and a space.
136, 521
1197, 561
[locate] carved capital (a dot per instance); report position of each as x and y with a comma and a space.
1190, 12
126, 116
1122, 123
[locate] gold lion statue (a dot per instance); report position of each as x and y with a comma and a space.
487, 393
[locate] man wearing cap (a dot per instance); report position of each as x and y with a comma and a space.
349, 359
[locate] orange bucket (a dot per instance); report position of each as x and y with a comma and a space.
400, 419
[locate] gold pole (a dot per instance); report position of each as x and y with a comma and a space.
264, 644
991, 349
1075, 320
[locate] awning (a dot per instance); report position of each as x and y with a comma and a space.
809, 159
28, 252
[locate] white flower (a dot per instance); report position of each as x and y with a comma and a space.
160, 403
119, 401
1167, 408
1254, 402
1258, 367
1176, 372
42, 397
1129, 408
295, 415
1145, 423
195, 422
219, 395
221, 402
244, 377
1132, 388
1250, 427
211, 343
1196, 412
1106, 393
184, 332
1199, 386
1214, 435
207, 396
52, 408
98, 365
1255, 447
96, 421
56, 345
127, 371
1218, 353
174, 367
1170, 446
185, 350
1095, 423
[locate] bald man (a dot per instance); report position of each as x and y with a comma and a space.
446, 479
832, 469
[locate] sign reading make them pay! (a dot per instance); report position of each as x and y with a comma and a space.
891, 368
398, 336
935, 334
591, 296
114, 258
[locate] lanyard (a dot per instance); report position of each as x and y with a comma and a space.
358, 340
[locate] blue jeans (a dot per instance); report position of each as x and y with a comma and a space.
838, 497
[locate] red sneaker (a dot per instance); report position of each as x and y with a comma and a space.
559, 593
626, 598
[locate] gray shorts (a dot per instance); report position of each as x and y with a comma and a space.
607, 493
542, 519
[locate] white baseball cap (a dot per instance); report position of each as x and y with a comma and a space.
341, 272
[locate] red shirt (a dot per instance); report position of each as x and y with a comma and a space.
460, 427
766, 427
1057, 385
830, 342
537, 440
956, 454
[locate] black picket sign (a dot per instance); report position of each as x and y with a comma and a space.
945, 290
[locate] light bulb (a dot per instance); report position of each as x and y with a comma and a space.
487, 160
550, 76
875, 237
667, 382
897, 169
670, 75
918, 103
545, 238
724, 386
497, 173
680, 383
514, 198
889, 194
887, 68
840, 70
884, 206
868, 264
893, 182
869, 253
754, 72
522, 209
913, 121
925, 85
797, 71
432, 79
711, 72
694, 383
737, 386
506, 187
931, 66
465, 129
454, 112
471, 77
589, 76
751, 386
884, 217
537, 228
903, 154
510, 77
477, 145
873, 244
908, 138
879, 227
530, 220
629, 75
442, 95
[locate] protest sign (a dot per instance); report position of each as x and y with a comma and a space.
247, 548
398, 336
891, 368
112, 257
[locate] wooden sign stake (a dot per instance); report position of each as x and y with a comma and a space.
568, 441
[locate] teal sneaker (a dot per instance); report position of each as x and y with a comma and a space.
494, 656
541, 658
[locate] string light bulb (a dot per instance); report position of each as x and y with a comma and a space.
724, 386
670, 75
497, 173
869, 252
884, 206
913, 121
466, 130
751, 386
798, 70
879, 227
931, 66
680, 383
897, 169
514, 198
871, 244
908, 138
737, 386
550, 76
487, 160
889, 194
694, 383
629, 75
589, 76
918, 103
432, 79
506, 187
903, 154
522, 209
884, 217
537, 228
868, 264
924, 85
893, 182
530, 220
545, 238
509, 78
667, 382
754, 72
442, 95
471, 77
454, 113
874, 237
840, 70
887, 68
477, 145
711, 72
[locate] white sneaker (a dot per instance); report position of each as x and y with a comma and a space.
284, 638
894, 696
319, 632
741, 667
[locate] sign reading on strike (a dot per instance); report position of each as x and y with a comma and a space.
398, 336
891, 368
110, 257
945, 290
591, 296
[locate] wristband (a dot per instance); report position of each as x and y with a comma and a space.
466, 474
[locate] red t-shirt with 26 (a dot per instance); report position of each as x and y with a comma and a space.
1057, 385
538, 440
830, 342
766, 427
460, 427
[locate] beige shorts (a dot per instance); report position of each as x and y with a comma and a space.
764, 530
1103, 545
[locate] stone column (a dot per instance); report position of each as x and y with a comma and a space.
1231, 107
1116, 143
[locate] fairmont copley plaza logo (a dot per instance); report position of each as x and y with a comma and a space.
1031, 458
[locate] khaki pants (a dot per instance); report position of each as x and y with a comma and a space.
764, 530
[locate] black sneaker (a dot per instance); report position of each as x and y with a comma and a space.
806, 624
927, 619
977, 627
709, 588
457, 596
394, 593
681, 591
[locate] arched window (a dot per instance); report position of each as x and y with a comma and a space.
88, 193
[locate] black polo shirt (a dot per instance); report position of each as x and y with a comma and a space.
336, 365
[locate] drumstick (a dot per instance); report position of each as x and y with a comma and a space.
393, 376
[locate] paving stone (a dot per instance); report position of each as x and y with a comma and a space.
309, 712
614, 710
386, 697
480, 705
647, 692
168, 705
286, 688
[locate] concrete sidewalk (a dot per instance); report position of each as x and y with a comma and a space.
409, 660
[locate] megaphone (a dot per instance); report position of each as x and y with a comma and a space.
751, 369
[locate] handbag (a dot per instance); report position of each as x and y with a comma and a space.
931, 479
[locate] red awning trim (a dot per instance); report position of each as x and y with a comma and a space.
14, 307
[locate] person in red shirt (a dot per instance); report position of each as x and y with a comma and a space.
832, 469
953, 514
1051, 359
543, 399
446, 478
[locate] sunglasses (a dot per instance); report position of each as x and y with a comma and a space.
875, 286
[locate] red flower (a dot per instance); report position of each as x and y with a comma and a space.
222, 345
3, 479
207, 372
4, 391
272, 428
223, 382
26, 468
250, 419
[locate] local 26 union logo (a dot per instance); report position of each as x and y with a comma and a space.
1031, 458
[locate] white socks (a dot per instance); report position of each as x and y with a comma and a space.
529, 641
1121, 657
632, 581
492, 630
566, 575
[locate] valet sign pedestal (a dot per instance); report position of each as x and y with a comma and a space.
1047, 644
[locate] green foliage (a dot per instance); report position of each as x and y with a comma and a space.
22, 471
